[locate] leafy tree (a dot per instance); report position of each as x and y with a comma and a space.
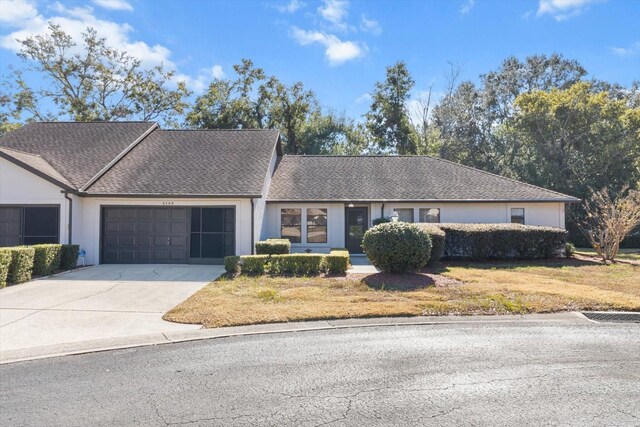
469, 118
388, 118
231, 104
89, 81
573, 139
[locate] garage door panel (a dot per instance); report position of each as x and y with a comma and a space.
143, 235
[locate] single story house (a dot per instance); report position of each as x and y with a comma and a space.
130, 192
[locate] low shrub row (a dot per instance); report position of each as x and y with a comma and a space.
437, 241
336, 262
19, 263
501, 241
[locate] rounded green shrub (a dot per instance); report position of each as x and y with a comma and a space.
397, 247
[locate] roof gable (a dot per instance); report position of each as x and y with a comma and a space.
77, 151
220, 163
391, 178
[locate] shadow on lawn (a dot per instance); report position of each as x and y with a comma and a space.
398, 282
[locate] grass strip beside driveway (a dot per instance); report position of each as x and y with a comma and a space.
455, 288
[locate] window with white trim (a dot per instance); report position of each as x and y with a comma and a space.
405, 214
291, 225
316, 225
517, 215
429, 215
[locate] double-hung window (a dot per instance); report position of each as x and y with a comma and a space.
429, 215
291, 225
316, 225
405, 214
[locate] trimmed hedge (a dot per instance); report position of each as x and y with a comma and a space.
397, 247
381, 220
253, 264
69, 257
337, 262
232, 264
437, 241
273, 247
5, 261
46, 259
21, 264
501, 241
296, 264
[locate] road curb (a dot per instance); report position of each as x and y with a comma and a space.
160, 338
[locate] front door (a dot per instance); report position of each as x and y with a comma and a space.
357, 222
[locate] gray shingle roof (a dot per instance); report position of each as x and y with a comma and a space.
193, 162
77, 151
36, 164
411, 178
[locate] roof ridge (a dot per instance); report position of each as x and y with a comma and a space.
219, 130
87, 122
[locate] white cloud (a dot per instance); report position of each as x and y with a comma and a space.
562, 10
633, 49
336, 50
74, 21
114, 4
217, 72
467, 6
370, 25
364, 98
290, 7
335, 11
15, 12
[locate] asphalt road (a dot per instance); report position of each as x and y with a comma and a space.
469, 374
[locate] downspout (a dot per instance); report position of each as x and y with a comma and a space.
70, 224
382, 211
252, 226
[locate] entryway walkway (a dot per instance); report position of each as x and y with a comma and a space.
360, 264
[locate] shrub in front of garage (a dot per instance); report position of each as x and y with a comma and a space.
5, 261
21, 265
46, 259
69, 257
273, 247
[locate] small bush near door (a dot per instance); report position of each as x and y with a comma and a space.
273, 247
232, 264
337, 262
253, 264
69, 257
21, 264
397, 247
46, 259
5, 261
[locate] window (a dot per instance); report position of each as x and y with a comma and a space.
405, 215
291, 225
316, 226
517, 215
429, 215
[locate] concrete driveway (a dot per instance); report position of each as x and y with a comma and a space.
106, 301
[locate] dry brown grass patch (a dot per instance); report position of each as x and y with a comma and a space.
487, 288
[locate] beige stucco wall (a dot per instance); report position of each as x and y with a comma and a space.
546, 214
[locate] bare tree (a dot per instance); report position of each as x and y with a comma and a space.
609, 220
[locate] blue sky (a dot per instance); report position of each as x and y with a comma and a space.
340, 48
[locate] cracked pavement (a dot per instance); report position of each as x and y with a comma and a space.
449, 374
